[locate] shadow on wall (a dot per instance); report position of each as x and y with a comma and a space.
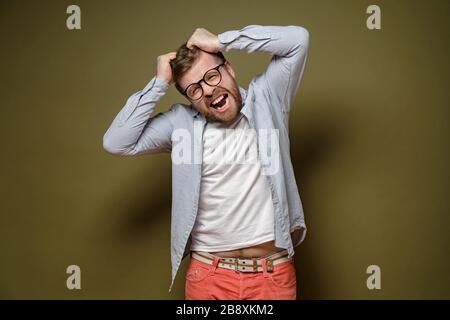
135, 213
142, 210
315, 135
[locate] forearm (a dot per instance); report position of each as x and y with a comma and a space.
282, 41
127, 127
289, 47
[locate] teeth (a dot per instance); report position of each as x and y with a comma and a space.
218, 99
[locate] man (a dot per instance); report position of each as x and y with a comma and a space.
239, 221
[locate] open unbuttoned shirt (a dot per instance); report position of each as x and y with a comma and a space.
266, 105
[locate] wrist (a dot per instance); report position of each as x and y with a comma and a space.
163, 79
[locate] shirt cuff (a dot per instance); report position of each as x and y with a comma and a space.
162, 83
227, 37
156, 84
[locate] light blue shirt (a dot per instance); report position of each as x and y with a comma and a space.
266, 105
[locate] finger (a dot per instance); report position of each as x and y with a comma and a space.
190, 43
168, 56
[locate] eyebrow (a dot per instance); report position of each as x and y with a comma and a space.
203, 75
220, 63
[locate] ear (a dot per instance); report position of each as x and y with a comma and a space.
230, 69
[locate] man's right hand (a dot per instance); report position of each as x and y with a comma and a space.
163, 69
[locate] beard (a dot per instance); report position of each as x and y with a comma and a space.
235, 101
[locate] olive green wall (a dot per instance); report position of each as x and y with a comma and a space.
368, 137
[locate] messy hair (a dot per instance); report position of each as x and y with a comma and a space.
184, 60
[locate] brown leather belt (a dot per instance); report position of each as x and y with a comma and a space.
242, 264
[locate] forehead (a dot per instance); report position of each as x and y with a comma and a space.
204, 62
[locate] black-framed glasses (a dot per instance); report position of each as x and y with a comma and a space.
212, 78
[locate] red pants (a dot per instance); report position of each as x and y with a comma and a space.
207, 282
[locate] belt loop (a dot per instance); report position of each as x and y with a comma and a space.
214, 264
264, 267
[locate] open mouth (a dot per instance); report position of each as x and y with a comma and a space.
220, 103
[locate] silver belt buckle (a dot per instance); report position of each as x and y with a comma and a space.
236, 264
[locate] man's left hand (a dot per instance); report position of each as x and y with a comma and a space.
204, 40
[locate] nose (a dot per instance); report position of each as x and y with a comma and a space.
208, 90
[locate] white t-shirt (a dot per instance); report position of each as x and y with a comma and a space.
235, 206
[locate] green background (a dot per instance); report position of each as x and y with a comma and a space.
368, 141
